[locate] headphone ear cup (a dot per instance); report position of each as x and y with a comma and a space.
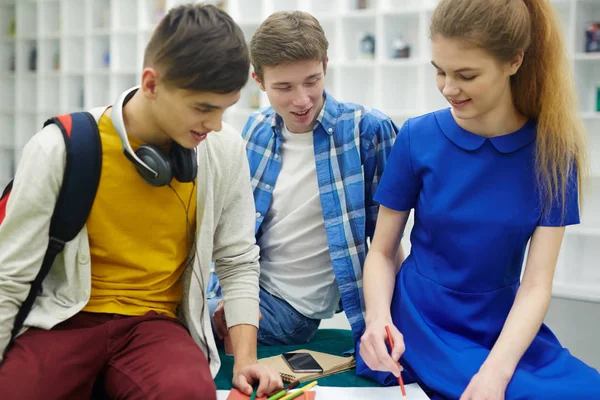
156, 159
184, 163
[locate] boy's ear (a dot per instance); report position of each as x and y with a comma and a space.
149, 82
257, 80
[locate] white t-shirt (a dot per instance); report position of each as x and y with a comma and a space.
295, 263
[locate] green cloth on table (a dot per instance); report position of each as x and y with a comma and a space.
332, 341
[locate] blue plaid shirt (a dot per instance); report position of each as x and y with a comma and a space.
351, 145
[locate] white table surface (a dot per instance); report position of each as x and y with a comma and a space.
413, 392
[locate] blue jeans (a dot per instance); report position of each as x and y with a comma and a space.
281, 324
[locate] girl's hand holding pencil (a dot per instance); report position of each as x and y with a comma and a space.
373, 347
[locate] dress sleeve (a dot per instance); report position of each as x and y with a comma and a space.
555, 215
399, 187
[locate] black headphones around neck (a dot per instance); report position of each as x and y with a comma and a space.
151, 162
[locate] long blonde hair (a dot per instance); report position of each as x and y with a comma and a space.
542, 89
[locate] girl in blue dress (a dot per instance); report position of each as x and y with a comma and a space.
497, 170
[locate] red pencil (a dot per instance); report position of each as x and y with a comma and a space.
391, 341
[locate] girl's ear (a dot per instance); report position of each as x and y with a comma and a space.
515, 63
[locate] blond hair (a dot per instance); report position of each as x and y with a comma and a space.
542, 89
285, 37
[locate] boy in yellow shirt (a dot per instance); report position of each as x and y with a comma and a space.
124, 304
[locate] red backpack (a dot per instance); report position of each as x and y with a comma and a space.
75, 199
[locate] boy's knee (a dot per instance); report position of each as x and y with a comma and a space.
185, 385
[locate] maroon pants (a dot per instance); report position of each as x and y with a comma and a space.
146, 357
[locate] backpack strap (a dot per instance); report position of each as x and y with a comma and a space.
78, 190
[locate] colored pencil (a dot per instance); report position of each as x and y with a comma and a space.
280, 394
300, 391
254, 390
391, 342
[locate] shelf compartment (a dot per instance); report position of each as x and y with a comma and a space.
125, 14
250, 97
49, 55
399, 117
50, 21
352, 5
72, 95
27, 56
404, 27
322, 9
590, 214
143, 39
26, 128
74, 17
330, 28
27, 21
49, 95
578, 267
362, 90
99, 55
73, 54
353, 33
124, 54
586, 12
401, 4
8, 61
8, 21
591, 116
400, 87
151, 12
236, 117
283, 5
564, 10
97, 91
577, 291
100, 15
587, 78
120, 83
249, 11
593, 134
26, 94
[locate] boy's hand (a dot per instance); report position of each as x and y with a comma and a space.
245, 376
219, 322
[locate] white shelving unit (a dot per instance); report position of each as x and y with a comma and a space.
60, 56
65, 55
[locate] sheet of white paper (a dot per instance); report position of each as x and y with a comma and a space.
413, 392
222, 394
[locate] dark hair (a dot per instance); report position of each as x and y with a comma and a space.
199, 47
285, 37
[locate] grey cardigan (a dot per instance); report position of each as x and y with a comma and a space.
225, 235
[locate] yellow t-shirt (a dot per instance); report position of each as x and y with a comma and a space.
139, 238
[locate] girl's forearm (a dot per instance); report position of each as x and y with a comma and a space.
522, 325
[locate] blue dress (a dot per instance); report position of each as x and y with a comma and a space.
476, 206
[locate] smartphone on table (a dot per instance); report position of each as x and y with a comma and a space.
301, 362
